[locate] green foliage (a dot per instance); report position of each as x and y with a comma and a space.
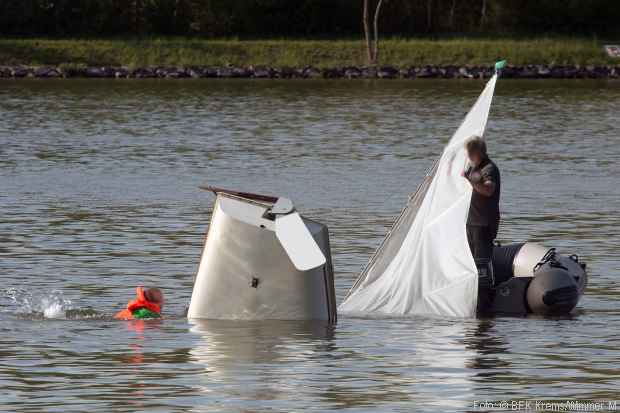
176, 51
304, 18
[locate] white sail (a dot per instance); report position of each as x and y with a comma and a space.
424, 265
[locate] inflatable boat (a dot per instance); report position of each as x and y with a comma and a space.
533, 279
262, 260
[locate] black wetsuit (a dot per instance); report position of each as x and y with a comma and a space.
482, 225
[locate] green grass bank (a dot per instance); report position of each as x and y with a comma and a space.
297, 53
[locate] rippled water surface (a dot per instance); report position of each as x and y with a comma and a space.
99, 193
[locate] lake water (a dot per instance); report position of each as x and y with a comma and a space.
99, 193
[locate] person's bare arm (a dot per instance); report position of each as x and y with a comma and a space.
481, 181
486, 188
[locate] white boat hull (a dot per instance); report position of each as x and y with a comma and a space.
245, 273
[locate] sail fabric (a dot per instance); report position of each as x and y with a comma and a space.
424, 265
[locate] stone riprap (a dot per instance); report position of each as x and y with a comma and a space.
310, 72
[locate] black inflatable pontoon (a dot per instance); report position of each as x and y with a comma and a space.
533, 279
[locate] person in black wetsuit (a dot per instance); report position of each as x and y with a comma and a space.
483, 219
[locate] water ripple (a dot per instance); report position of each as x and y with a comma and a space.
99, 194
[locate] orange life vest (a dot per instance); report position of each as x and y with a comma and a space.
139, 302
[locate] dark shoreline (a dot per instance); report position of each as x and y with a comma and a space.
310, 72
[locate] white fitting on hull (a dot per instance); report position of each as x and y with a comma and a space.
246, 274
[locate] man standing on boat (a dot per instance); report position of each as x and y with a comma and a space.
484, 217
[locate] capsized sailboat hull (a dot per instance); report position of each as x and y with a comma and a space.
246, 273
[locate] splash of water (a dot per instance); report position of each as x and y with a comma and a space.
47, 305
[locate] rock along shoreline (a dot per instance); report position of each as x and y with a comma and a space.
310, 72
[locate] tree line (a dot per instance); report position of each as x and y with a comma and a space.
306, 18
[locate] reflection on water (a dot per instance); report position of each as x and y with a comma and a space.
99, 193
257, 342
266, 358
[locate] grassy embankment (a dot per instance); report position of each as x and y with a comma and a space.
296, 53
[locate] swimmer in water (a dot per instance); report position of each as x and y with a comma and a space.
147, 304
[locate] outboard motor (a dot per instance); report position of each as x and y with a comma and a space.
556, 288
533, 279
